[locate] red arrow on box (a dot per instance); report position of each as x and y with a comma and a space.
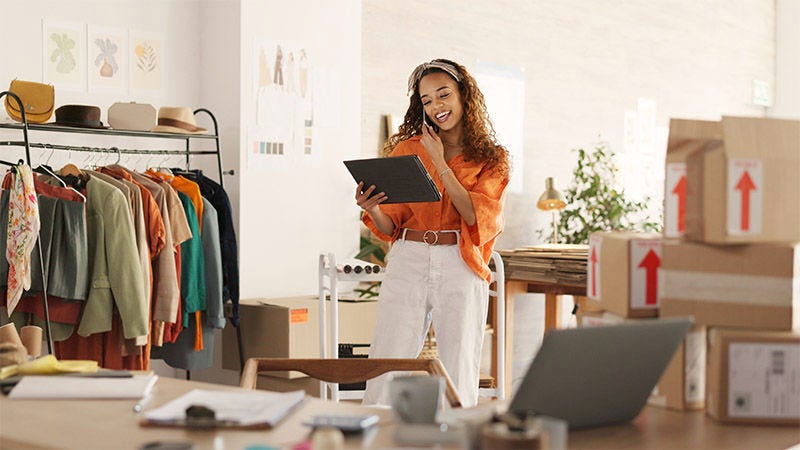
680, 191
745, 185
593, 259
650, 264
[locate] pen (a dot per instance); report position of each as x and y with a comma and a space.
137, 408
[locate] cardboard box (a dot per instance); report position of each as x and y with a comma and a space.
289, 328
743, 187
280, 384
685, 138
598, 318
753, 377
682, 386
748, 286
623, 272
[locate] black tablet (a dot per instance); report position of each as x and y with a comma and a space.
403, 178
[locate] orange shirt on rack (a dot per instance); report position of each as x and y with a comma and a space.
186, 186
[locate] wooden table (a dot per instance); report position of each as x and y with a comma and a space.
552, 313
111, 424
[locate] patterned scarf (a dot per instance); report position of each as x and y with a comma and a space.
23, 230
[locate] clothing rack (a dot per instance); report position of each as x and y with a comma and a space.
25, 143
187, 152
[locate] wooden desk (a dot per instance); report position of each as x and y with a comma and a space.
663, 428
111, 424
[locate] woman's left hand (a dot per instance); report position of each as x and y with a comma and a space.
433, 145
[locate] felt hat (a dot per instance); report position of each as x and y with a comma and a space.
81, 116
177, 119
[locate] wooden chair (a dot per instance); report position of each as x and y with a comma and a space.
347, 370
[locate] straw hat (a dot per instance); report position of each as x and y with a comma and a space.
177, 119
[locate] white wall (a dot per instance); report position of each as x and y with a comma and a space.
178, 20
294, 207
787, 64
586, 62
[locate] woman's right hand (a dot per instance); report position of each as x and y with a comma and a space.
367, 203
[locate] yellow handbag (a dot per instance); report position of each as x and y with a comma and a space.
38, 100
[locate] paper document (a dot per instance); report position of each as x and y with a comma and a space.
64, 387
241, 408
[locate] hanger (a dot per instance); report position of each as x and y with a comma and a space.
70, 169
119, 154
63, 183
46, 170
13, 165
50, 156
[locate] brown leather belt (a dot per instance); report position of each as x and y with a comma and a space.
431, 237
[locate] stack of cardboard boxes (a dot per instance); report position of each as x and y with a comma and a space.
730, 258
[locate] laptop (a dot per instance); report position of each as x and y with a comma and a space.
600, 375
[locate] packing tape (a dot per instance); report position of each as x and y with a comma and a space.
729, 288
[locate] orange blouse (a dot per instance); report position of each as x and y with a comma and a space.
486, 189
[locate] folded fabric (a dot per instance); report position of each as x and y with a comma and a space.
49, 365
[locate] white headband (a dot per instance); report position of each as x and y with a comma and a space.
435, 64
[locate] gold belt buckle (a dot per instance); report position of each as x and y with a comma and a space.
435, 237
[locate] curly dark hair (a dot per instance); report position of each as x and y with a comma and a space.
480, 144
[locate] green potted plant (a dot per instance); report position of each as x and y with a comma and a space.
595, 202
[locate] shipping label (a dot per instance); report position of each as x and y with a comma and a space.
695, 366
745, 196
675, 199
299, 315
764, 380
593, 268
645, 263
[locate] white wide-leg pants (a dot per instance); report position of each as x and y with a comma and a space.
423, 283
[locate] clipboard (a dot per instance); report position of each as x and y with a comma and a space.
403, 178
206, 409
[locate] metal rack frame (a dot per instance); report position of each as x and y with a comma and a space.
50, 128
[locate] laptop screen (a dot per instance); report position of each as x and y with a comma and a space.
599, 375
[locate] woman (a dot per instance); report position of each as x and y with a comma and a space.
437, 268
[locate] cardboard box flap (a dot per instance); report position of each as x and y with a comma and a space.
765, 139
687, 129
687, 136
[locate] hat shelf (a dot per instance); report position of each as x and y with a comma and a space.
186, 137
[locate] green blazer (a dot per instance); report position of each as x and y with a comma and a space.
116, 276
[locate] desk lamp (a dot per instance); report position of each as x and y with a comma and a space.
551, 200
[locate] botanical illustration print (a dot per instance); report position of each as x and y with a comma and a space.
63, 55
148, 61
146, 58
106, 57
107, 63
